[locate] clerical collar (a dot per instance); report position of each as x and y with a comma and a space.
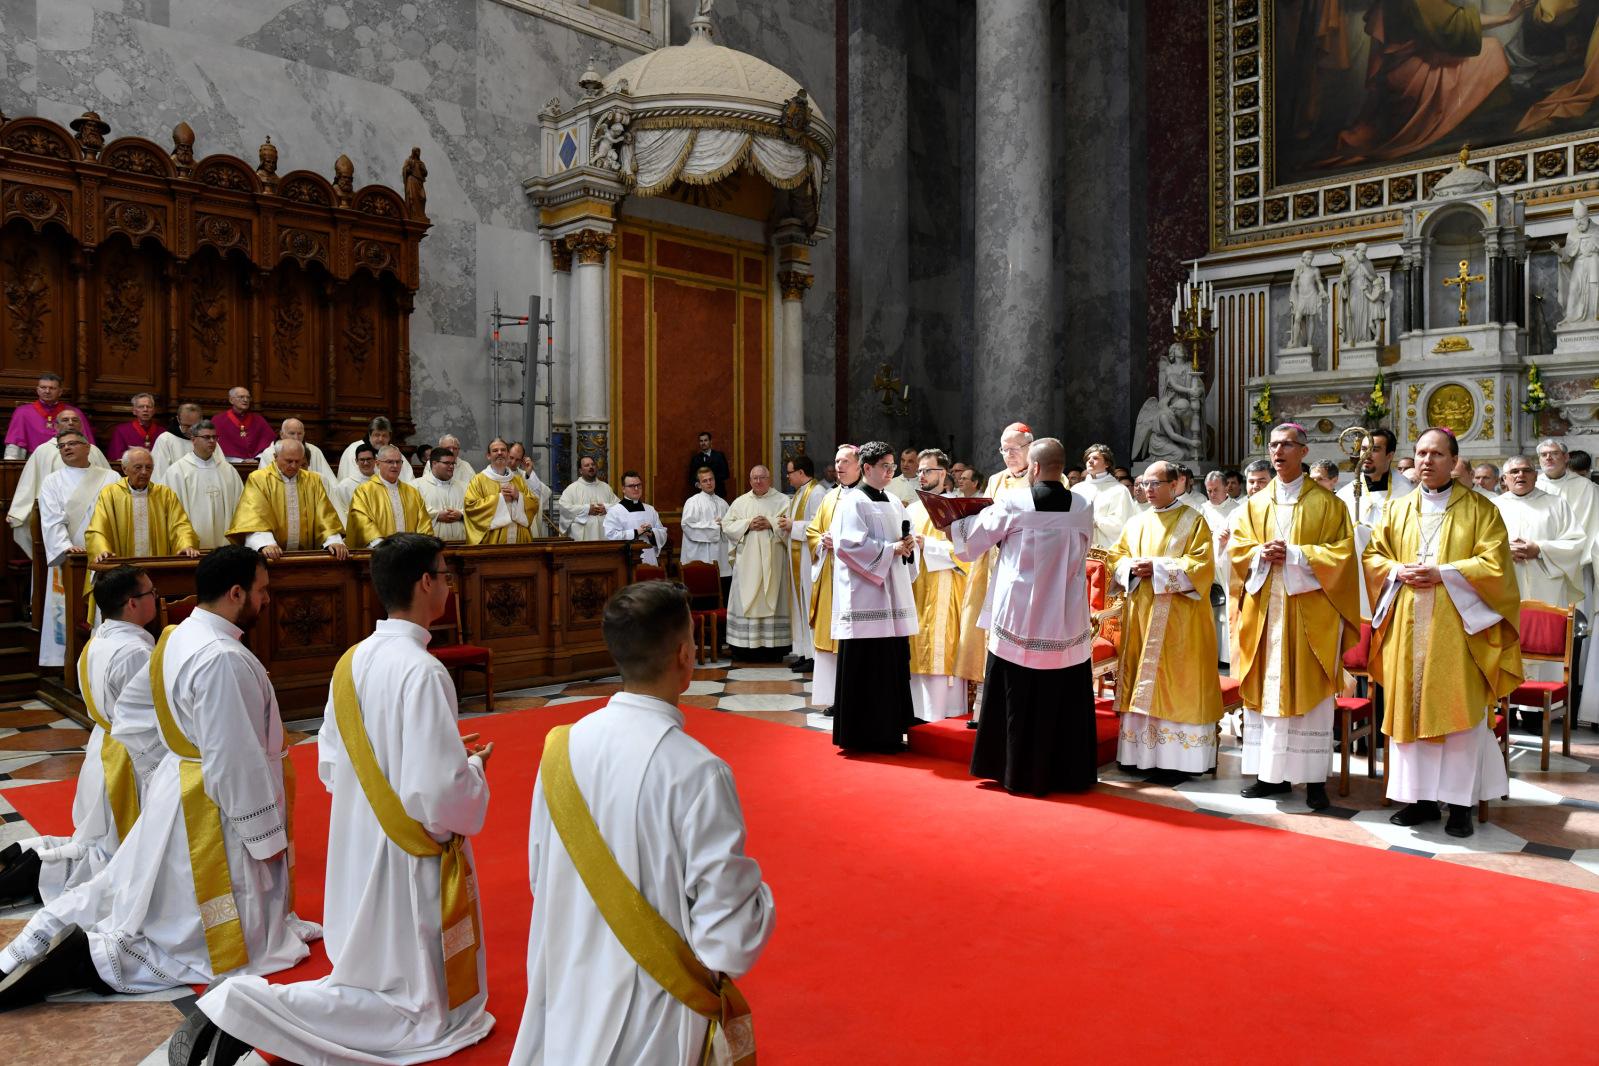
1178, 502
496, 475
287, 480
632, 505
139, 492
1287, 491
204, 462
1378, 484
399, 627
875, 495
1437, 494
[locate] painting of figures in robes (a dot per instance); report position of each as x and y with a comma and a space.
1367, 83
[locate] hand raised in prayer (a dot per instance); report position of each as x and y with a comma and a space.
759, 522
450, 514
1523, 550
339, 551
827, 542
271, 551
596, 508
1224, 536
102, 557
1420, 575
189, 553
1274, 551
1144, 568
508, 490
905, 546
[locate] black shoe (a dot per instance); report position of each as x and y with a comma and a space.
10, 854
1415, 813
65, 966
191, 1040
971, 723
802, 666
19, 883
1261, 789
1459, 823
828, 713
1316, 796
1169, 778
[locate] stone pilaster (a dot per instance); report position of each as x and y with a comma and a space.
591, 354
563, 386
794, 279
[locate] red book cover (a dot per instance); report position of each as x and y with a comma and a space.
945, 509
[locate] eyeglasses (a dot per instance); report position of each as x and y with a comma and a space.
1151, 482
141, 595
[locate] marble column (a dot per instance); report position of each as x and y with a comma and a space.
592, 404
791, 408
561, 378
1013, 308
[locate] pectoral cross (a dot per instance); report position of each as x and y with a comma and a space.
1464, 280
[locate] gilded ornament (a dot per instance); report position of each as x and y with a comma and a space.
1486, 385
1452, 406
1451, 344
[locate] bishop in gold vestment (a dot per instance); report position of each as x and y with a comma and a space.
1167, 688
1293, 547
284, 508
1442, 660
133, 518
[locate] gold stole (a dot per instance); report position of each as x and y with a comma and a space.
659, 950
202, 821
457, 886
797, 513
121, 787
1142, 697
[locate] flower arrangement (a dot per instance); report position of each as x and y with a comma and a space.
1260, 415
1377, 406
1537, 401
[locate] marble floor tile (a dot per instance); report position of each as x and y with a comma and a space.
46, 740
1488, 839
704, 688
760, 673
50, 768
18, 718
791, 686
1562, 827
90, 1034
781, 717
1537, 867
762, 702
593, 688
711, 702
1326, 828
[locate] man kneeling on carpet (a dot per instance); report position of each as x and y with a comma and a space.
637, 853
403, 925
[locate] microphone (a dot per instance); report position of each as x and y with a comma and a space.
905, 531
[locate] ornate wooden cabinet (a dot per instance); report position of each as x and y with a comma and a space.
128, 267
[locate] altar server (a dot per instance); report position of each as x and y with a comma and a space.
1113, 504
315, 461
1582, 496
819, 551
703, 540
41, 464
627, 805
174, 444
463, 469
1442, 660
939, 586
285, 508
500, 508
443, 488
407, 791
1379, 483
206, 486
804, 500
757, 611
1167, 690
386, 505
66, 500
633, 519
874, 610
341, 492
134, 519
1292, 547
105, 803
380, 431
584, 503
1037, 731
39, 422
214, 827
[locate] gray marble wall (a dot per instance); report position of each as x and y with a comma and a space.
463, 79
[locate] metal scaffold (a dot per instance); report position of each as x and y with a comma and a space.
520, 375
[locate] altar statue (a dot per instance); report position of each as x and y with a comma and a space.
1170, 424
1579, 269
1306, 295
1354, 297
1379, 296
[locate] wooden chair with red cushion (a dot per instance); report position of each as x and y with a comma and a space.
1546, 637
174, 611
704, 584
457, 655
1357, 717
1105, 612
645, 572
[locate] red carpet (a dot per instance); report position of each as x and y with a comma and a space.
923, 918
951, 739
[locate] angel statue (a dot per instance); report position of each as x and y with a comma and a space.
1170, 424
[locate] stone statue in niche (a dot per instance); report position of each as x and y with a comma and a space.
1354, 296
1379, 296
1579, 269
610, 140
415, 173
1170, 424
1306, 295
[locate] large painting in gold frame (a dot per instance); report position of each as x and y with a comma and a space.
1331, 115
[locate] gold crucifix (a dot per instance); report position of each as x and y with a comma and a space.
1464, 281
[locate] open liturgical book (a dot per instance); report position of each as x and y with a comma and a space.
945, 509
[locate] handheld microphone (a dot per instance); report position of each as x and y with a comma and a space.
905, 531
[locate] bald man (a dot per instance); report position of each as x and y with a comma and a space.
757, 612
315, 461
585, 501
286, 508
133, 518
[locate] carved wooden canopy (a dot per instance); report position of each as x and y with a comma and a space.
127, 267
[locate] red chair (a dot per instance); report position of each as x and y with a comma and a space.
458, 656
645, 572
174, 611
704, 584
1106, 615
1546, 637
1357, 715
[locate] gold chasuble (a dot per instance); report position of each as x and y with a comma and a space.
935, 646
265, 507
138, 526
1167, 664
1290, 648
372, 512
973, 655
1438, 679
822, 587
796, 552
486, 522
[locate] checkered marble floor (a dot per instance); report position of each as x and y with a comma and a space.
1547, 830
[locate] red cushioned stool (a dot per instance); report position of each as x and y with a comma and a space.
1357, 716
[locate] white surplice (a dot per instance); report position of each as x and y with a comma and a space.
1113, 506
209, 490
1582, 496
168, 448
580, 495
66, 501
935, 696
872, 594
445, 495
904, 487
757, 608
43, 462
703, 540
388, 1006
802, 507
623, 524
1545, 519
1372, 502
118, 652
349, 468
668, 811
145, 929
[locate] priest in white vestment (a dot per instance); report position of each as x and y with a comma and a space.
1113, 504
139, 927
584, 503
903, 486
1582, 496
757, 610
342, 491
633, 519
423, 995
1379, 482
804, 501
463, 469
667, 810
1547, 548
206, 484
443, 488
379, 432
66, 502
315, 461
105, 803
173, 445
703, 540
42, 462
